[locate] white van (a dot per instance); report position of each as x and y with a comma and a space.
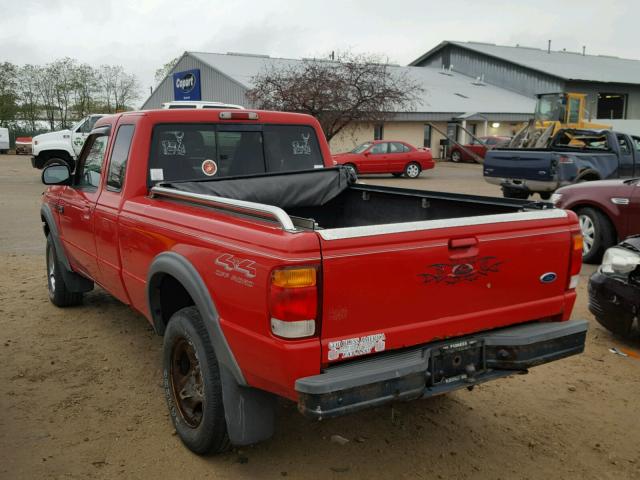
4, 140
200, 104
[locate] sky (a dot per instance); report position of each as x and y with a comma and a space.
142, 35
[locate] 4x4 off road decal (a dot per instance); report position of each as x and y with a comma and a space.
353, 347
468, 270
239, 270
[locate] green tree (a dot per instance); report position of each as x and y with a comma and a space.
8, 93
30, 107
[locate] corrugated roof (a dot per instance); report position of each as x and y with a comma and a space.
564, 65
442, 93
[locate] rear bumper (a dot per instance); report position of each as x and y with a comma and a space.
525, 185
437, 368
613, 302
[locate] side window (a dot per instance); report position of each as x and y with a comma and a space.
636, 144
378, 148
624, 145
574, 110
119, 156
396, 147
90, 168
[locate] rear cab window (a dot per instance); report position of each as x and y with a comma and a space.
195, 151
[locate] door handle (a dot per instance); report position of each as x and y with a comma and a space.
459, 243
463, 248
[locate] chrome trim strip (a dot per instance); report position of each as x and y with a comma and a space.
620, 201
353, 232
241, 206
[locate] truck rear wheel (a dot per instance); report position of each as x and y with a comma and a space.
59, 294
597, 234
192, 385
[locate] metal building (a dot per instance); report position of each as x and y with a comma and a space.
612, 84
448, 99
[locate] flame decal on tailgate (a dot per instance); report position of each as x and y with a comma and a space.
469, 270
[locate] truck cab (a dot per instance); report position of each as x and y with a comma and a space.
62, 146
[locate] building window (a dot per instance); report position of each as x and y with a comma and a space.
612, 105
426, 136
378, 132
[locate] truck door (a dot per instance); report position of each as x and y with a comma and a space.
77, 205
106, 231
81, 131
625, 162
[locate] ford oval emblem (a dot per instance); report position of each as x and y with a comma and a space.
548, 277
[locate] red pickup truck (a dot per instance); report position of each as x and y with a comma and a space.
271, 274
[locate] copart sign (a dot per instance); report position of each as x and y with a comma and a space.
186, 85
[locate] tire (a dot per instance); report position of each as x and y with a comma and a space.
397, 174
456, 156
412, 170
597, 233
351, 167
196, 408
545, 195
59, 294
515, 193
56, 161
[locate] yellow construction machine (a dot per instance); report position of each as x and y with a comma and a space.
554, 111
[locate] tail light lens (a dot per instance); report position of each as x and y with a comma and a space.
293, 302
576, 260
565, 159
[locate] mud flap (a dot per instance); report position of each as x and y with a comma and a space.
250, 413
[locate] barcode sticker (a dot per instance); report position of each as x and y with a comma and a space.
157, 174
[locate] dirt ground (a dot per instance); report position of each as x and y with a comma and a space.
81, 396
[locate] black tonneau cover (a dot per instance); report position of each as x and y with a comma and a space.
307, 188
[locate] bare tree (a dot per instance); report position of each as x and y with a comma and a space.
127, 90
63, 73
119, 88
45, 85
85, 89
164, 70
339, 92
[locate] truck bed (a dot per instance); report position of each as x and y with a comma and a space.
329, 199
438, 265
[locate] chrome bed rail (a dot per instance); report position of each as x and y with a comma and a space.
259, 210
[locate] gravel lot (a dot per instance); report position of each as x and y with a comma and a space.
81, 397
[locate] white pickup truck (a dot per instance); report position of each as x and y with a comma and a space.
62, 146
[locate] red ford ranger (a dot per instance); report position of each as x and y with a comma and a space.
271, 276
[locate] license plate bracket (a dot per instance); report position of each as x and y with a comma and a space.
457, 361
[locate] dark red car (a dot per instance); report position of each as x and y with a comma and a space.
479, 148
387, 156
608, 211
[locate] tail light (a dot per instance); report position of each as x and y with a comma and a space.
565, 159
293, 302
238, 115
576, 260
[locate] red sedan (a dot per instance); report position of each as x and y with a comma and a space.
457, 154
608, 210
387, 156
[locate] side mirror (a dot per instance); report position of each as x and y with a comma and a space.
56, 175
366, 154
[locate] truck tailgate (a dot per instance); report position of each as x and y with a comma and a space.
391, 286
519, 164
